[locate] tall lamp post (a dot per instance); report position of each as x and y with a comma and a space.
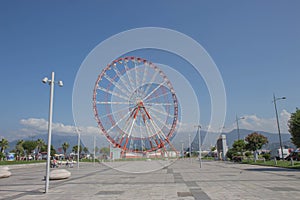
78, 147
199, 140
190, 148
94, 149
237, 125
280, 142
51, 83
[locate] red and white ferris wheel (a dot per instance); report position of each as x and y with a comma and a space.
135, 105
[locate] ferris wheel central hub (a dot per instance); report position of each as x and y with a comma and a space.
140, 104
140, 108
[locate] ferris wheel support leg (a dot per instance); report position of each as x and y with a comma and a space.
125, 147
172, 147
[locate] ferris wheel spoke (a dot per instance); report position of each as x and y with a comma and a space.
161, 121
151, 81
113, 113
121, 79
161, 112
156, 97
159, 131
136, 74
147, 129
118, 122
116, 84
112, 93
129, 77
162, 83
112, 103
158, 104
152, 127
145, 72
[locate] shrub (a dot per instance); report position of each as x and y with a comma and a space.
267, 156
230, 153
248, 154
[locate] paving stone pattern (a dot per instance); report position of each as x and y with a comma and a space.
182, 179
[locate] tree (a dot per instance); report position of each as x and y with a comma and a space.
239, 146
237, 149
39, 144
52, 150
3, 145
104, 150
29, 146
19, 148
294, 127
255, 141
230, 153
213, 148
65, 147
75, 149
85, 150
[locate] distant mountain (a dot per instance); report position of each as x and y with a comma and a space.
272, 137
179, 141
182, 139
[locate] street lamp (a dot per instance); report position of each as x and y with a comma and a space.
94, 149
199, 140
78, 146
237, 125
51, 83
190, 148
280, 142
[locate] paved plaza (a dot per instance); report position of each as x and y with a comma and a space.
156, 179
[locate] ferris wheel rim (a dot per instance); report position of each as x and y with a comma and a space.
111, 118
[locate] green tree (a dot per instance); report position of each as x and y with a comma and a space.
3, 145
75, 149
44, 148
213, 148
239, 146
19, 148
29, 146
104, 150
294, 127
255, 141
230, 153
248, 154
65, 147
52, 151
39, 144
85, 150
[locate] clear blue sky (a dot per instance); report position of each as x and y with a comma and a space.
255, 44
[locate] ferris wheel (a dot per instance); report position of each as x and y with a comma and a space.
135, 105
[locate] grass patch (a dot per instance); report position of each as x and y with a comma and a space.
21, 162
280, 163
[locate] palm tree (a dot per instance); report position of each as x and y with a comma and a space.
75, 148
3, 145
65, 146
39, 144
85, 150
19, 148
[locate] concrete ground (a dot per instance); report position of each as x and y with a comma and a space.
182, 179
